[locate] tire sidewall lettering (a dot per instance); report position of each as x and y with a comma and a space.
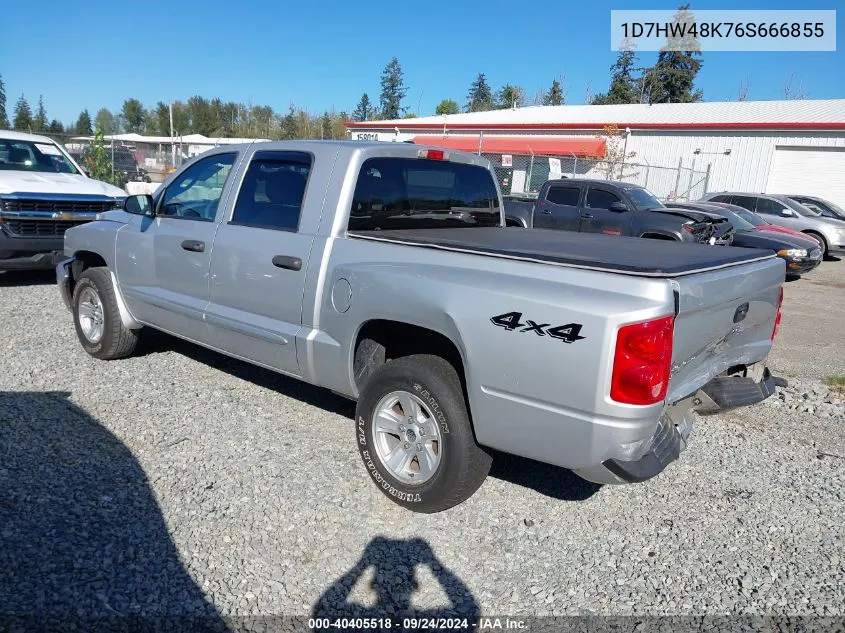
375, 473
425, 395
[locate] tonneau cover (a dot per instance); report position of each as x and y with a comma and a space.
626, 255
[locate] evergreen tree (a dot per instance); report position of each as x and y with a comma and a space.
393, 90
162, 117
554, 96
55, 127
510, 97
447, 106
364, 110
4, 117
133, 116
672, 79
326, 126
480, 97
623, 85
83, 124
23, 115
105, 121
40, 123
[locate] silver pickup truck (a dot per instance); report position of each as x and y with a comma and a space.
384, 272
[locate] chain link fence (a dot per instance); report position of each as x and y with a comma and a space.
522, 175
130, 162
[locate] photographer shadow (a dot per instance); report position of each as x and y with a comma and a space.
394, 562
83, 542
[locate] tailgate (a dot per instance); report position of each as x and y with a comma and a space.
725, 318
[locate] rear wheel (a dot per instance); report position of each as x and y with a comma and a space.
415, 437
97, 318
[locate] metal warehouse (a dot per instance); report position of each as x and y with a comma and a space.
678, 150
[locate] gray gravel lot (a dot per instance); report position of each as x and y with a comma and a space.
182, 482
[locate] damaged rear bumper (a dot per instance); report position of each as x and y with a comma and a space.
723, 393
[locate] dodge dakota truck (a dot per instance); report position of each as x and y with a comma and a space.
384, 272
43, 192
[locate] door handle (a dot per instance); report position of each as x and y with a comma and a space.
287, 262
587, 215
546, 211
193, 245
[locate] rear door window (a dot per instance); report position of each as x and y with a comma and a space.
721, 198
746, 202
567, 196
401, 193
272, 191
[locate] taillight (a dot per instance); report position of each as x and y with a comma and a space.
432, 154
777, 316
642, 362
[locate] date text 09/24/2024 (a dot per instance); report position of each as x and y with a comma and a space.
416, 624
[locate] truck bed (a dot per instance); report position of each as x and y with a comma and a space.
625, 255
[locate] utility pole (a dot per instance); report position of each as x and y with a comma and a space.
172, 144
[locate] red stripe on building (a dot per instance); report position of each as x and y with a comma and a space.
760, 125
588, 147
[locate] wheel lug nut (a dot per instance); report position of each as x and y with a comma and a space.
419, 448
401, 427
407, 446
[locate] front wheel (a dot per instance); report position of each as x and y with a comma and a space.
97, 318
415, 437
820, 239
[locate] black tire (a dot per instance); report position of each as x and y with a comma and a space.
116, 341
463, 463
820, 239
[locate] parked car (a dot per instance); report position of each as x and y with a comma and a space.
782, 210
801, 254
823, 207
384, 272
759, 222
613, 208
43, 192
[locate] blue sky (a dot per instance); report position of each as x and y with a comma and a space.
324, 54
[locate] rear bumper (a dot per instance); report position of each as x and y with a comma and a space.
723, 393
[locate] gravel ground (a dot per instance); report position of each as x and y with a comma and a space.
182, 482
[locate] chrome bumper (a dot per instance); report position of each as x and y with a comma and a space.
63, 281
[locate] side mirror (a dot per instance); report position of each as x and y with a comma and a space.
139, 205
787, 213
618, 207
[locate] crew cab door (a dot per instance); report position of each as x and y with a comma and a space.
260, 261
558, 207
600, 213
163, 262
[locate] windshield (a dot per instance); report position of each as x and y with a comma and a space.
400, 193
644, 199
828, 209
740, 224
18, 155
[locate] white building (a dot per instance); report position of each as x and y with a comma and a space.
681, 150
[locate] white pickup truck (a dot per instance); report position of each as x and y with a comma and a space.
384, 272
43, 192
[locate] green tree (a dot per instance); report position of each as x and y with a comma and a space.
4, 117
55, 127
97, 160
623, 84
447, 106
162, 117
393, 90
510, 97
39, 122
133, 116
672, 78
364, 110
23, 115
83, 124
290, 124
554, 97
326, 126
480, 96
105, 121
